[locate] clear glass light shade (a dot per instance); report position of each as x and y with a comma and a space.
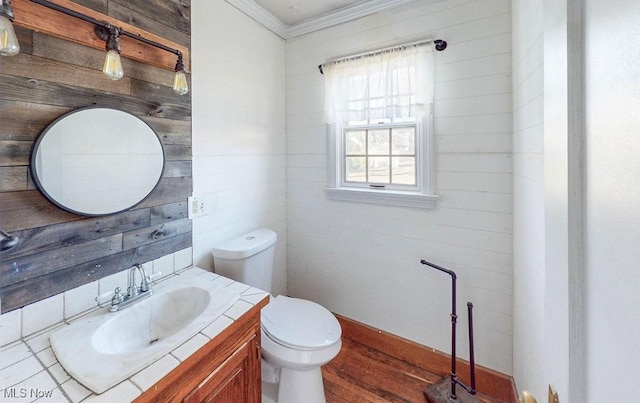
180, 85
9, 45
112, 66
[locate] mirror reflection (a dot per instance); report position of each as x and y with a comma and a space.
97, 161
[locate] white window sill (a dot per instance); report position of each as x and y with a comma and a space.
389, 197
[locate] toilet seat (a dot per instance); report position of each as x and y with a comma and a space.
300, 324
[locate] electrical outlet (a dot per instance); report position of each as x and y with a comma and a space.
196, 206
553, 395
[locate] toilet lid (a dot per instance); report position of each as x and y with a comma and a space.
300, 324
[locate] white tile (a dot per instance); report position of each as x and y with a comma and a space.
191, 346
46, 357
124, 392
191, 272
39, 341
109, 283
217, 326
42, 314
162, 265
13, 353
80, 299
221, 281
208, 276
75, 391
58, 373
254, 298
52, 396
253, 290
10, 326
19, 371
183, 258
38, 386
238, 309
238, 287
154, 372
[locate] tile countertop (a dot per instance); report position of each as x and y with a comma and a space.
30, 371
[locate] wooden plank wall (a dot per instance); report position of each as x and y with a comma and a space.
58, 250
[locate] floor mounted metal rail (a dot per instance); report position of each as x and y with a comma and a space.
434, 393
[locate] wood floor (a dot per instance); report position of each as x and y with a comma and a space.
362, 374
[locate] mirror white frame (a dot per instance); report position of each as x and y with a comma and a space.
97, 161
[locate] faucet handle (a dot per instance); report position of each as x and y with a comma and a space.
145, 281
117, 296
144, 285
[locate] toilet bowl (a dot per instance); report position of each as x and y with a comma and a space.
297, 336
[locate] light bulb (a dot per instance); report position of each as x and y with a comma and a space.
9, 45
112, 66
180, 85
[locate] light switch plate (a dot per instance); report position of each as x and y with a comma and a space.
197, 206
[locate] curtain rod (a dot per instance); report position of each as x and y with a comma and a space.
439, 44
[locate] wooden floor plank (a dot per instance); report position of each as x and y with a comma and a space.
361, 374
381, 344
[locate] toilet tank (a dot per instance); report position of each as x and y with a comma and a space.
247, 259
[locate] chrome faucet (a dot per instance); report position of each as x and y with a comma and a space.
134, 292
132, 289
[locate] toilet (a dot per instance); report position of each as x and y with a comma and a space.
298, 336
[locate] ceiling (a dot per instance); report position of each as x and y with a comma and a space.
292, 12
291, 18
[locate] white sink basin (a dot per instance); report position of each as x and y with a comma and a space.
103, 349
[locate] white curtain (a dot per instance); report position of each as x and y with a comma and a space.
396, 83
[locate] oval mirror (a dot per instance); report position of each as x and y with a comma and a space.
97, 161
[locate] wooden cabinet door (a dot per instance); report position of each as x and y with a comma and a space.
234, 380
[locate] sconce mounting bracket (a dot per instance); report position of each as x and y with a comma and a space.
101, 32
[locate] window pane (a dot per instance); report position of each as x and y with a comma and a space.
355, 169
379, 169
403, 141
378, 142
404, 170
355, 142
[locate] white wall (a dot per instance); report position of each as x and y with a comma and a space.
362, 260
529, 363
239, 146
612, 199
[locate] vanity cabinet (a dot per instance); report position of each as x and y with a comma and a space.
226, 369
230, 382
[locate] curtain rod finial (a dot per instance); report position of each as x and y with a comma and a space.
440, 44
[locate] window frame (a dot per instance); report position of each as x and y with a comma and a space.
420, 197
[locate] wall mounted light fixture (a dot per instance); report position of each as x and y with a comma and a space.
7, 241
9, 45
109, 33
112, 67
180, 84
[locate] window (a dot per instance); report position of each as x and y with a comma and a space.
379, 112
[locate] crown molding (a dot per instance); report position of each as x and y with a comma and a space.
343, 15
262, 16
